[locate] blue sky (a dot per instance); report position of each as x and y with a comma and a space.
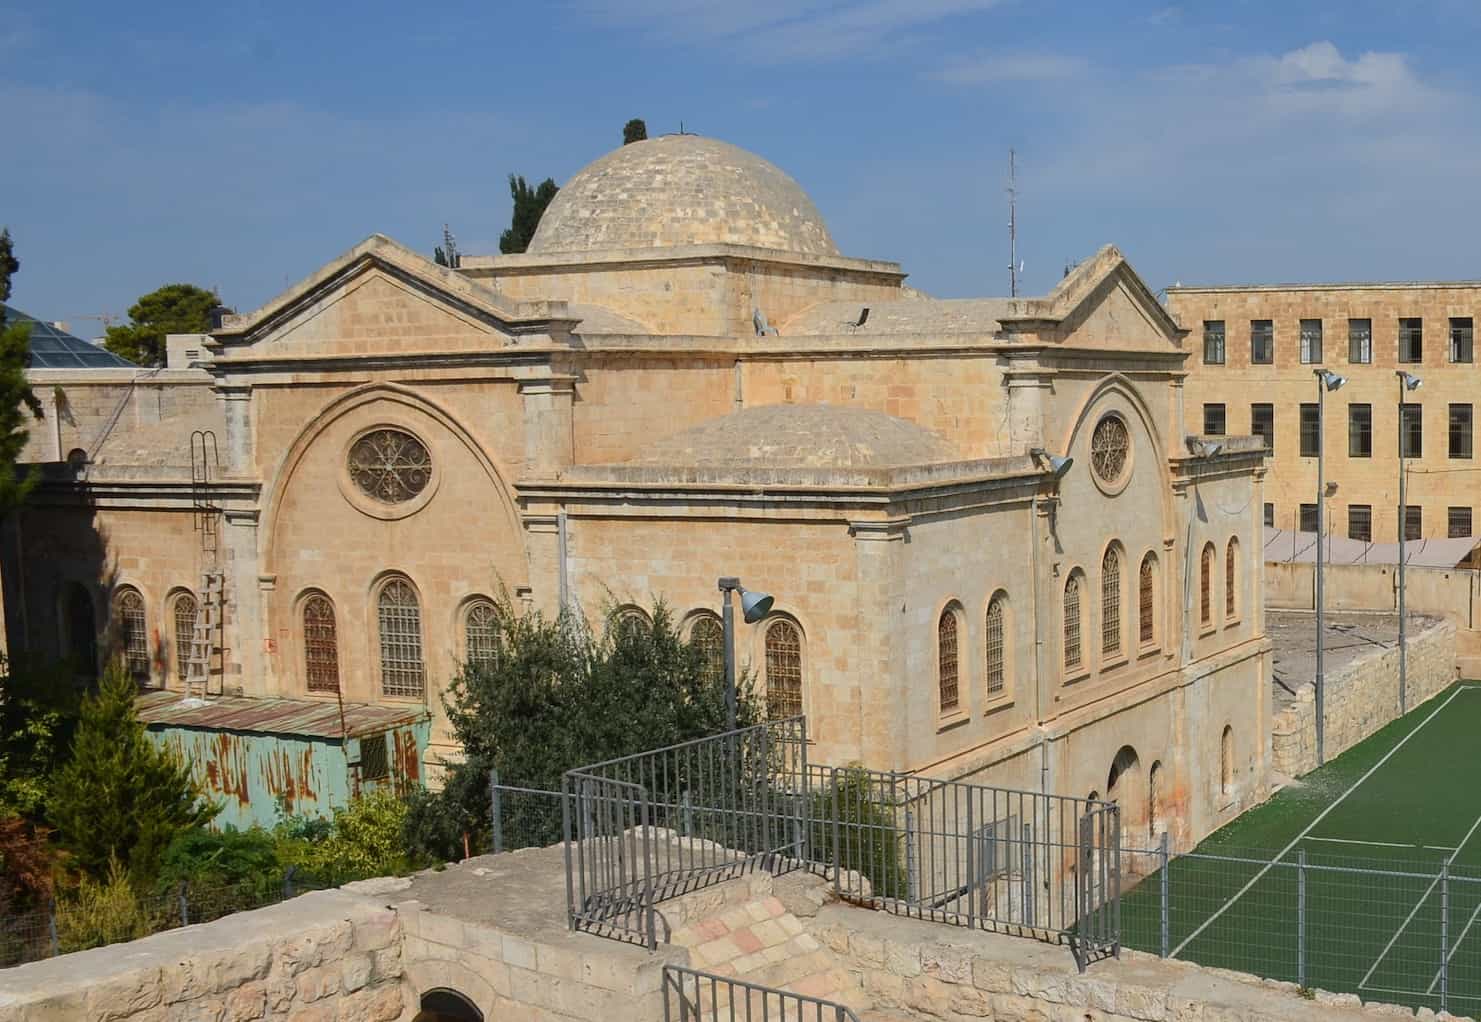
240, 146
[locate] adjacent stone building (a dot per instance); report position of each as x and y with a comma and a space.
684, 379
1256, 348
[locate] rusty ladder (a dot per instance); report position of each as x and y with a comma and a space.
206, 634
203, 637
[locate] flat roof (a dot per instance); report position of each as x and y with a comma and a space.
317, 717
1373, 285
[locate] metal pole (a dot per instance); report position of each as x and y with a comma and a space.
1403, 536
1165, 883
494, 816
1321, 403
1444, 935
1301, 918
184, 905
727, 620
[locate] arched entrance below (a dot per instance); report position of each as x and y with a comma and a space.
447, 1006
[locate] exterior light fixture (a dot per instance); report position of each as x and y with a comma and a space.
1410, 383
754, 607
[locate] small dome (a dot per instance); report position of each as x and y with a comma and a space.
800, 436
681, 190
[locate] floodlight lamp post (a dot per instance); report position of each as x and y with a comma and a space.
754, 607
1407, 382
1325, 380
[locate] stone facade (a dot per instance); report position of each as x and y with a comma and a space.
1287, 383
1361, 697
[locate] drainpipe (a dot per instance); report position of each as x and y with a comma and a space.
560, 542
1038, 649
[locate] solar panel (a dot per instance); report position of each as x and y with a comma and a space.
52, 348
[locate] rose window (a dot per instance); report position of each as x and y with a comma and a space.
390, 465
1109, 448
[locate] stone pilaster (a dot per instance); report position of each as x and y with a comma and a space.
238, 454
883, 728
549, 435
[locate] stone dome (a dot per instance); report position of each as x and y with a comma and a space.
681, 190
800, 436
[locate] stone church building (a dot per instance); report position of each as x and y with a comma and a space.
682, 379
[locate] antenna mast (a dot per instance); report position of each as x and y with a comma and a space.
1012, 225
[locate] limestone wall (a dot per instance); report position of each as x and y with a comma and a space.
318, 958
1361, 697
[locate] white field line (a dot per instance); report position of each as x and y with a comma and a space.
1381, 844
1416, 993
1415, 910
1312, 825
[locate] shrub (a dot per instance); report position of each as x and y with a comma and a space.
364, 840
869, 842
244, 859
104, 912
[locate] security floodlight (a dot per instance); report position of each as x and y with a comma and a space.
1331, 380
1057, 465
755, 606
1331, 489
1411, 382
1204, 448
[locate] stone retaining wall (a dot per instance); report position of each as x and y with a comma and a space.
1361, 697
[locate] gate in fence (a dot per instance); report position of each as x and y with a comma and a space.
648, 827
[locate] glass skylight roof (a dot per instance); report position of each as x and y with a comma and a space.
56, 349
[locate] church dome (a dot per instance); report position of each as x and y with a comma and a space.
800, 436
681, 190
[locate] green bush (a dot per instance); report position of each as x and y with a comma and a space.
244, 859
364, 840
104, 912
869, 842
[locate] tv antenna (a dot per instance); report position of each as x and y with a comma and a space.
450, 248
1014, 267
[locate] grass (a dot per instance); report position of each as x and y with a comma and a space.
1336, 883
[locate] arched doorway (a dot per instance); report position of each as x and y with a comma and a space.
447, 1006
79, 632
1124, 786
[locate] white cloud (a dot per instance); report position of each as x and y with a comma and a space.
1021, 67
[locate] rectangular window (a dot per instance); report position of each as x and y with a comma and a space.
1413, 521
375, 765
1458, 522
1462, 337
1262, 342
1360, 522
1359, 431
1311, 341
1411, 340
1460, 431
1307, 521
1213, 342
1310, 431
1360, 341
1213, 420
1269, 515
1411, 430
1262, 424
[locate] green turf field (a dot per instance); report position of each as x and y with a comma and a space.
1390, 835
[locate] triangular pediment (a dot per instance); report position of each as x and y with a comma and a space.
1103, 303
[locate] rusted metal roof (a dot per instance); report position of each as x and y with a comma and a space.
275, 716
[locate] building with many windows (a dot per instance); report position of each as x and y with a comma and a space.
684, 379
1256, 350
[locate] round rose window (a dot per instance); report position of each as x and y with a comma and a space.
390, 465
1109, 449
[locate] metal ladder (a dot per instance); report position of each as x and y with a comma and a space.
203, 637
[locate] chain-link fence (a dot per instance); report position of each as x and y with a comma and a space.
523, 817
1402, 930
111, 915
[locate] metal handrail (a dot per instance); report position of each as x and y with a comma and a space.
790, 1007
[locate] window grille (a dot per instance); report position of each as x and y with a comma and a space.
1214, 420
708, 636
783, 671
1231, 555
1311, 431
1145, 599
1411, 340
402, 671
320, 644
995, 645
481, 634
1460, 431
185, 611
1262, 423
1110, 602
1213, 342
1458, 522
1072, 652
1205, 586
390, 465
1413, 522
1226, 761
1110, 445
375, 764
1269, 515
1306, 518
1360, 431
1360, 522
1311, 341
1462, 335
1411, 430
134, 633
1262, 341
947, 660
1360, 341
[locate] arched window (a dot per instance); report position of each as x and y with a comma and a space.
947, 674
480, 633
184, 610
1154, 799
1146, 599
1206, 586
630, 617
1073, 655
133, 632
79, 631
1226, 761
707, 636
1231, 556
995, 640
1110, 602
320, 644
783, 670
402, 670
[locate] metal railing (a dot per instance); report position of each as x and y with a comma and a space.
693, 996
644, 828
1401, 931
523, 817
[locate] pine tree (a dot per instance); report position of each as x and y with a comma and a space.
121, 797
16, 397
529, 207
634, 131
172, 309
